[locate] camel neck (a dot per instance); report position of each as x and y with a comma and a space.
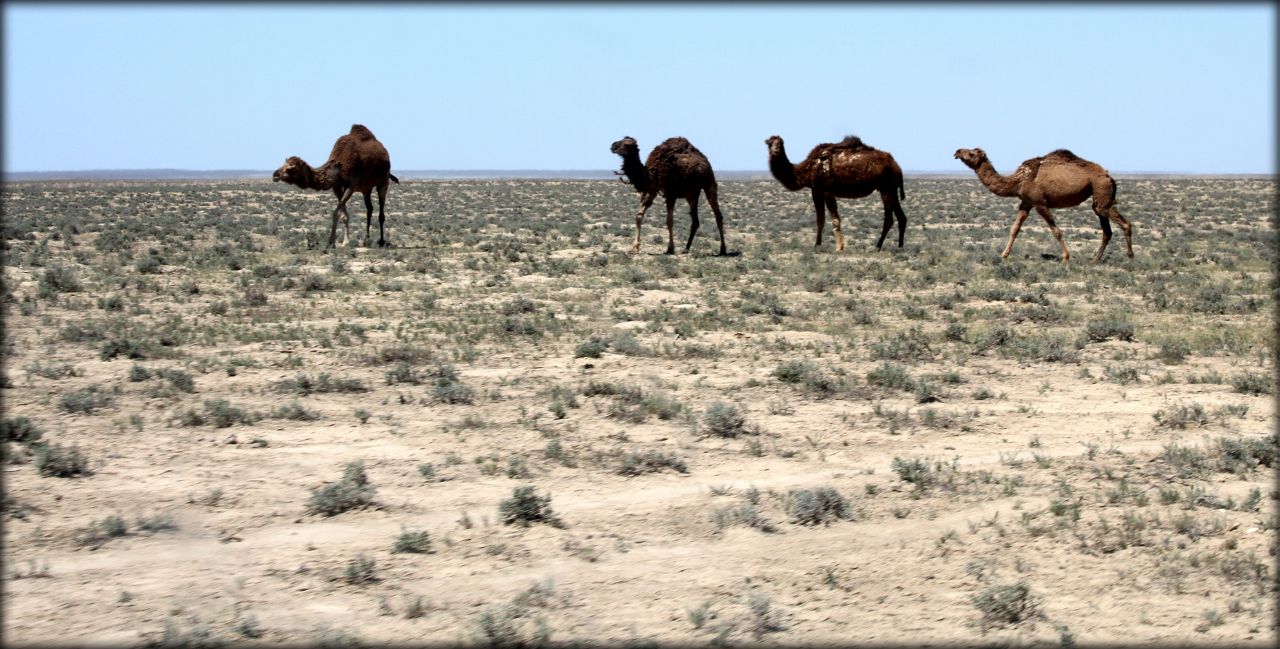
636, 172
318, 178
782, 169
999, 185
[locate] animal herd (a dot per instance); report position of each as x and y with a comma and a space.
676, 169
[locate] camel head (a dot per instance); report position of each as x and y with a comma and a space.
775, 145
294, 171
625, 147
971, 157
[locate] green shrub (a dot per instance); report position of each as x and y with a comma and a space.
123, 347
362, 570
1006, 605
819, 505
650, 461
892, 376
1111, 326
19, 429
223, 414
525, 507
57, 279
724, 420
413, 542
591, 348
85, 400
55, 460
1253, 383
351, 492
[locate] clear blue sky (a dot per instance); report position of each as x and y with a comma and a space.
1146, 87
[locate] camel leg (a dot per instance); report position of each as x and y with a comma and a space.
1024, 210
693, 220
1057, 233
902, 221
819, 208
1125, 227
835, 220
887, 199
715, 209
368, 216
671, 222
341, 210
646, 201
382, 215
1106, 232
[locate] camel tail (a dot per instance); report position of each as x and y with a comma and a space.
902, 190
393, 177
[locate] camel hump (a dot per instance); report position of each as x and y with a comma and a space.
852, 142
359, 131
1064, 153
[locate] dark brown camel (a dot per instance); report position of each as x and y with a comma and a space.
1060, 179
676, 169
358, 163
845, 169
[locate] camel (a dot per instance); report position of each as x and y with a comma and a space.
1059, 179
358, 163
677, 169
845, 169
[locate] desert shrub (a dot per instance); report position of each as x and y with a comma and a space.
591, 348
1241, 455
19, 429
447, 388
911, 344
314, 282
1111, 326
403, 372
650, 461
794, 371
139, 373
1173, 352
85, 400
892, 376
413, 542
180, 379
57, 279
917, 471
361, 570
294, 411
819, 505
149, 263
53, 371
525, 507
223, 414
304, 384
351, 492
160, 522
123, 347
55, 460
1181, 416
1006, 605
1253, 383
724, 420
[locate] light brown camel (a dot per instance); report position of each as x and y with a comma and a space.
1060, 179
358, 163
845, 169
676, 169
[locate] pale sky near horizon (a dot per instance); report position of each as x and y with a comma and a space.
1179, 88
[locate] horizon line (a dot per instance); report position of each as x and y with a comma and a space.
179, 173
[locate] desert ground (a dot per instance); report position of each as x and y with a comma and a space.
507, 429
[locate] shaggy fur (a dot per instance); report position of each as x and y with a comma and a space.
1059, 179
358, 163
846, 169
676, 169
